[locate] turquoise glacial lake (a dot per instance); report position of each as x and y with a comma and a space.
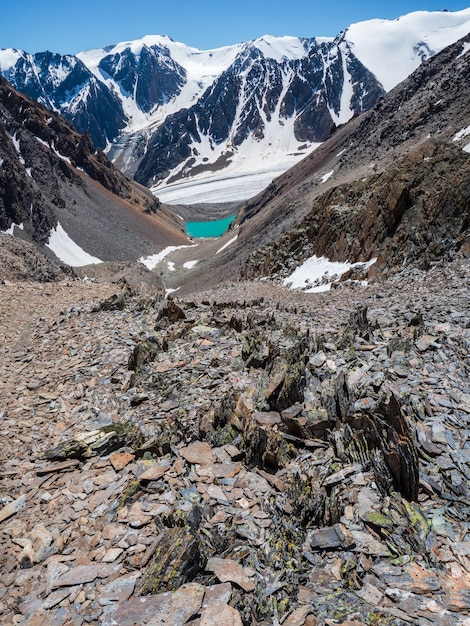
214, 228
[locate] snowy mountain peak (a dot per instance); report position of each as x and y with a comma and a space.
393, 49
281, 48
167, 112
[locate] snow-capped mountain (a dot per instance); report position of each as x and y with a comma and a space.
176, 117
65, 85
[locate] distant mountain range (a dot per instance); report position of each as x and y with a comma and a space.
173, 116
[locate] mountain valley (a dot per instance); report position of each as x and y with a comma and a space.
187, 439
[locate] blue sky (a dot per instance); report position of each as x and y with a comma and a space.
69, 27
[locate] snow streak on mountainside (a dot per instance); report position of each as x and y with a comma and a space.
176, 117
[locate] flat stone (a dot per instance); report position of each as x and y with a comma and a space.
219, 470
155, 471
456, 585
179, 606
119, 590
298, 615
217, 593
365, 543
228, 570
339, 477
268, 418
137, 517
61, 466
318, 359
112, 554
218, 613
12, 507
425, 342
198, 453
42, 539
461, 548
83, 574
369, 593
461, 456
119, 460
156, 610
329, 537
217, 493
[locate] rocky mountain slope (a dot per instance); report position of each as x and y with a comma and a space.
247, 455
169, 113
250, 456
392, 183
52, 180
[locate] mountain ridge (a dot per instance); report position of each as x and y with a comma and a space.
306, 87
53, 180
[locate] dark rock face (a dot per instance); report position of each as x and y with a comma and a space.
40, 153
152, 76
415, 212
316, 93
50, 173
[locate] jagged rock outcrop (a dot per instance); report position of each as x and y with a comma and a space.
249, 454
21, 261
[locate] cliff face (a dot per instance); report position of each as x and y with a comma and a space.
41, 153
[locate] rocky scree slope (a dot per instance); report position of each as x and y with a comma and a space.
49, 174
251, 454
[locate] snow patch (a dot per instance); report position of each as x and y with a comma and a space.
467, 148
61, 156
461, 134
67, 250
190, 264
465, 48
318, 273
16, 143
393, 49
153, 260
327, 176
8, 59
229, 243
10, 231
281, 48
170, 291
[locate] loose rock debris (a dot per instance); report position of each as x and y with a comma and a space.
246, 456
